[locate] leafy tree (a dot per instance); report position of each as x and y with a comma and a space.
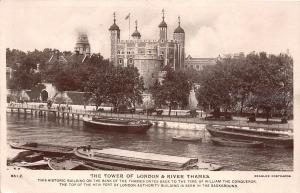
125, 85
174, 90
116, 85
258, 81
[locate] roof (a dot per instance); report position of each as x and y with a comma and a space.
179, 30
136, 33
163, 24
114, 27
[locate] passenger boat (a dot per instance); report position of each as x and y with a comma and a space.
236, 142
269, 138
116, 124
138, 160
187, 138
44, 148
68, 164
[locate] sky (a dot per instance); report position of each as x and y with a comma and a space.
211, 28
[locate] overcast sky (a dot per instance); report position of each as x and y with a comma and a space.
211, 28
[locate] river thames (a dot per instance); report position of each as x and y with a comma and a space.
156, 140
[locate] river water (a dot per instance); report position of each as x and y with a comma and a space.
156, 140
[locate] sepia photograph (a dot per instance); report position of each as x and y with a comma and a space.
200, 88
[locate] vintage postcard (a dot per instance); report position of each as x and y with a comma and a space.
149, 96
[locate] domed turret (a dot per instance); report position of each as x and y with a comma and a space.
114, 39
82, 45
179, 28
136, 34
114, 26
163, 28
179, 37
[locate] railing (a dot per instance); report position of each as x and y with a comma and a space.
173, 118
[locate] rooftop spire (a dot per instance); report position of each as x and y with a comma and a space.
179, 29
163, 23
136, 23
114, 26
136, 34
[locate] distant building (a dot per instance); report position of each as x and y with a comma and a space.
82, 51
234, 55
148, 56
198, 63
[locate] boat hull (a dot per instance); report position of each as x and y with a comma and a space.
275, 140
117, 127
44, 148
117, 159
68, 164
237, 143
187, 139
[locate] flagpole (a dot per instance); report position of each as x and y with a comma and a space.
129, 26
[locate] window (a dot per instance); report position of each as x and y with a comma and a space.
118, 51
197, 67
162, 52
130, 61
120, 61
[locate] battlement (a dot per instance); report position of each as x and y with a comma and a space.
137, 41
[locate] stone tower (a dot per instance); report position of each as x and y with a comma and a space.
82, 45
114, 39
179, 37
163, 29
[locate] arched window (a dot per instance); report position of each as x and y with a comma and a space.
130, 61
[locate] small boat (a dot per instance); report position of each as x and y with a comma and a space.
134, 160
187, 138
237, 143
44, 148
116, 124
269, 138
41, 164
68, 164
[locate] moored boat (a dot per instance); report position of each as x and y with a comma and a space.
137, 160
68, 164
187, 138
41, 164
44, 148
116, 124
269, 138
236, 142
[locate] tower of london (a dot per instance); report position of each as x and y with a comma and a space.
148, 56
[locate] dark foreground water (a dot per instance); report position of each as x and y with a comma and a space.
156, 140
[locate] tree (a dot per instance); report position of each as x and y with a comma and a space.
125, 85
116, 85
258, 81
174, 90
